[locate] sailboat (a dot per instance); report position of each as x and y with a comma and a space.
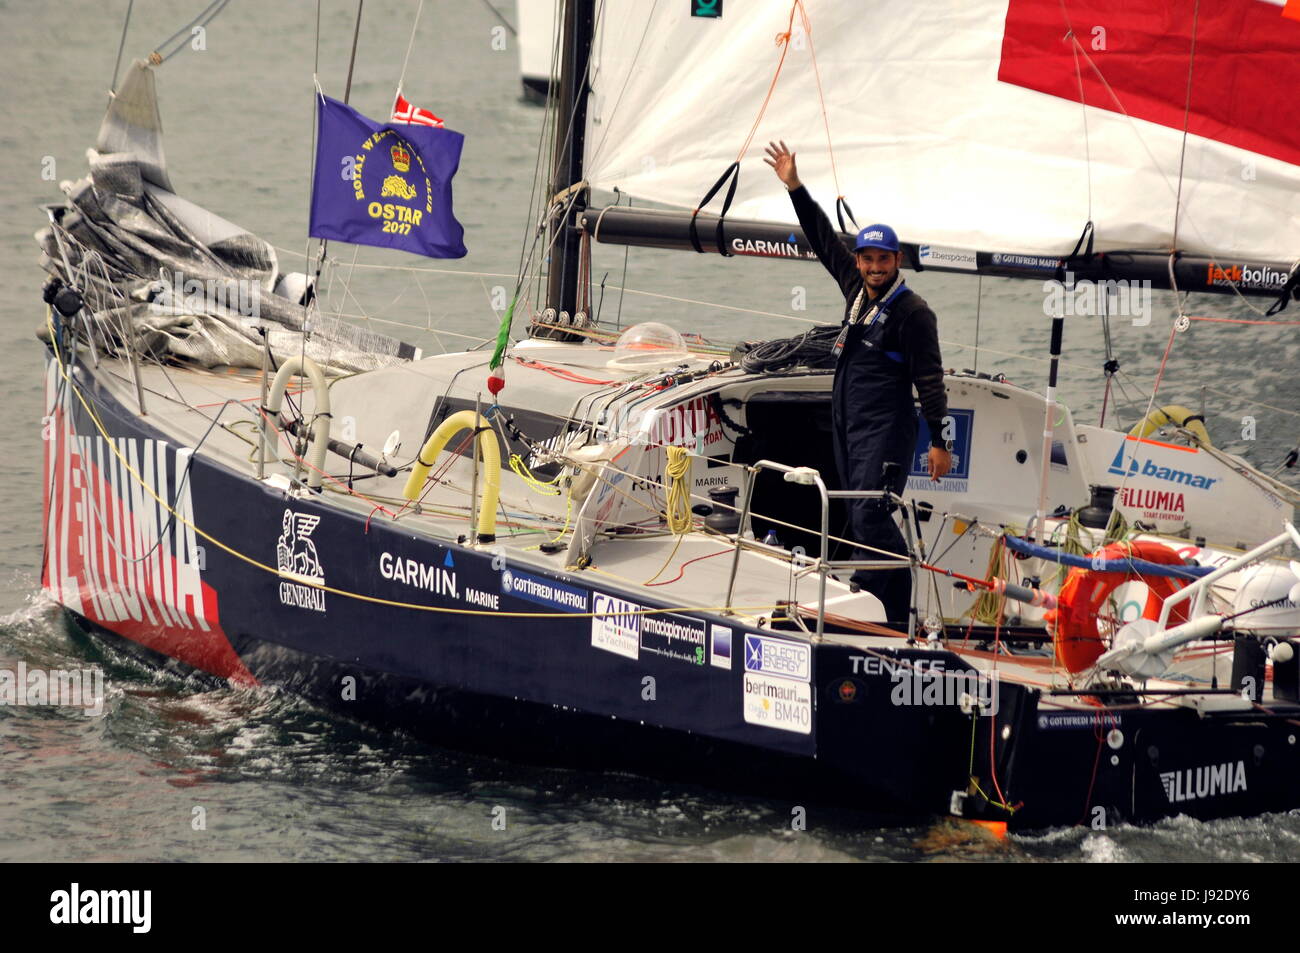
630, 556
536, 48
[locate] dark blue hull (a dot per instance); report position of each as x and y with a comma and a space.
237, 578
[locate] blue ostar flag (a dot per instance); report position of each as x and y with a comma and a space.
385, 184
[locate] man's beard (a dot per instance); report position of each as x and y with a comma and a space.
880, 283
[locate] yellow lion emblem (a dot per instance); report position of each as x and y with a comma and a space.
398, 186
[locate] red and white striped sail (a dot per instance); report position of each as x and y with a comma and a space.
993, 124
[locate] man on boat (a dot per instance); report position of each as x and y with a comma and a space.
889, 343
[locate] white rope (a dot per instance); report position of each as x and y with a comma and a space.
409, 44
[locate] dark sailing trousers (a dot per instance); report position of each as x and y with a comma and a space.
874, 425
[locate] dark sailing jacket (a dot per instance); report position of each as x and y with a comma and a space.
911, 329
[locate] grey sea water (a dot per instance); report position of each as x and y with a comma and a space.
276, 779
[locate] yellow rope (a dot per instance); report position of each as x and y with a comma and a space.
126, 464
678, 513
974, 781
544, 487
568, 517
988, 605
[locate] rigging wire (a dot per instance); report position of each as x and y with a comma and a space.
313, 302
535, 200
157, 57
158, 49
1155, 165
1083, 106
409, 43
1110, 366
500, 16
121, 45
593, 154
821, 97
352, 58
311, 155
618, 318
360, 596
573, 192
1187, 112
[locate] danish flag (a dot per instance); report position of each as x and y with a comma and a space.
403, 111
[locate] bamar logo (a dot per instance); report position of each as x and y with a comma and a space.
1194, 783
296, 558
1150, 469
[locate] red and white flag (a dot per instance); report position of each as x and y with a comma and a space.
403, 111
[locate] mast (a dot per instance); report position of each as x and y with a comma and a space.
571, 126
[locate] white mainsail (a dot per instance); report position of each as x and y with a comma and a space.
941, 125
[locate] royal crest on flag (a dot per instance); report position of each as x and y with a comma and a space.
386, 184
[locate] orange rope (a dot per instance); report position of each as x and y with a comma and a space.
1237, 320
783, 41
562, 373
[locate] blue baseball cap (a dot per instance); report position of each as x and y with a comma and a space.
877, 236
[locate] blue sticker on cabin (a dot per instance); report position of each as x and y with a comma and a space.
963, 431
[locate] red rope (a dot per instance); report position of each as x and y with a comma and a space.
562, 373
1097, 725
681, 570
307, 465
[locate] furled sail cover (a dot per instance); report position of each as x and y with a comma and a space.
962, 124
161, 275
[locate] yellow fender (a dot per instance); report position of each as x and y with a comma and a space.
489, 452
1173, 415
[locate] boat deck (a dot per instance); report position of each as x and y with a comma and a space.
215, 412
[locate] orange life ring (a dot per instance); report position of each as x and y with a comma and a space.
1073, 623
